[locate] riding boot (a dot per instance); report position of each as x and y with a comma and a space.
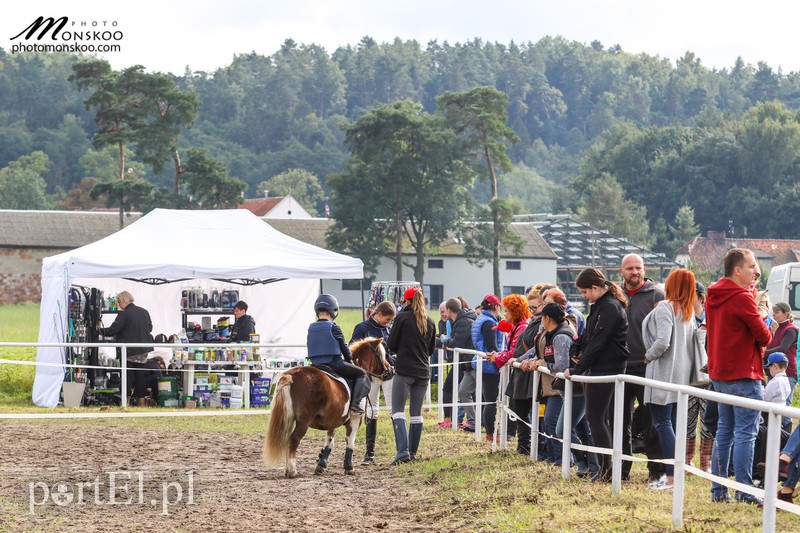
372, 432
400, 442
348, 460
706, 447
322, 459
358, 394
691, 445
414, 435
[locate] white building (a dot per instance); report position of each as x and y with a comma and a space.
448, 273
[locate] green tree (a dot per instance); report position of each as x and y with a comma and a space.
209, 184
605, 207
22, 184
301, 184
479, 117
129, 193
406, 182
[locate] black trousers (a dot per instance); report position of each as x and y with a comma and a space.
634, 394
598, 402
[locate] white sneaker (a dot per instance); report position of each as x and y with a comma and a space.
661, 484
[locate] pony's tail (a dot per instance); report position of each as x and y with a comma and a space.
281, 424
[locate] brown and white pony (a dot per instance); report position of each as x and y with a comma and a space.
305, 397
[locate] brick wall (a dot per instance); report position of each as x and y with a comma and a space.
20, 273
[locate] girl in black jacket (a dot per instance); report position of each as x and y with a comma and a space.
601, 351
412, 339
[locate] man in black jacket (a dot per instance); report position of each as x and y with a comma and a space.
461, 337
643, 295
244, 325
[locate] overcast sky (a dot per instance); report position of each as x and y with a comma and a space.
202, 34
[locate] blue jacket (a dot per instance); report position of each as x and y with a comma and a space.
581, 320
480, 344
370, 328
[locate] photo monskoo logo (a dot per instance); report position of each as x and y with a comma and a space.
71, 39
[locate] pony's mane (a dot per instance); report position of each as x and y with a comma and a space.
357, 346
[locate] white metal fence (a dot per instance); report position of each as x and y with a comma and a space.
772, 411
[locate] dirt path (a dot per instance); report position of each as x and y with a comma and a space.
58, 478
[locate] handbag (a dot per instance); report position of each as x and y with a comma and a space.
699, 376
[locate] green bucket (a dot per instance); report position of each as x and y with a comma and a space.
167, 389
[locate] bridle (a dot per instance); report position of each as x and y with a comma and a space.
378, 358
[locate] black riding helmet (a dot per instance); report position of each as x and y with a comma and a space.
327, 303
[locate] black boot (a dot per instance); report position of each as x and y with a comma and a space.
322, 459
400, 442
359, 392
348, 461
414, 435
372, 432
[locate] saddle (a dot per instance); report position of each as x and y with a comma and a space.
349, 384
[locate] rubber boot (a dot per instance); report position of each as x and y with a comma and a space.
706, 447
372, 432
322, 459
691, 445
414, 435
358, 394
400, 442
348, 461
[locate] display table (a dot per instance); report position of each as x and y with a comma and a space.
209, 366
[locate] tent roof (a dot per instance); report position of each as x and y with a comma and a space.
231, 244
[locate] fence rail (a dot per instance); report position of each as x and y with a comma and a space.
773, 412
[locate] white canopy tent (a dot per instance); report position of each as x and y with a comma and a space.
168, 250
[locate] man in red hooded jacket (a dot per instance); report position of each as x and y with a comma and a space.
736, 335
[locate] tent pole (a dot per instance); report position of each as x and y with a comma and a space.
363, 304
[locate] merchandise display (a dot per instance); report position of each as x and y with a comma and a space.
391, 291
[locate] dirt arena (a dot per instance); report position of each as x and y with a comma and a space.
58, 477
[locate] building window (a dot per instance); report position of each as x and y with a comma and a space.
355, 284
435, 263
513, 289
434, 294
513, 265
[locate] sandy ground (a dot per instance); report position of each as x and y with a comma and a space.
59, 477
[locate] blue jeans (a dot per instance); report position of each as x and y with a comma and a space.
792, 449
737, 428
552, 411
578, 419
792, 385
663, 417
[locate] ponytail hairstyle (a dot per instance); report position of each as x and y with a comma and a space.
419, 312
592, 277
385, 308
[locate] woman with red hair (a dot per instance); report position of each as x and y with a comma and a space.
668, 334
516, 316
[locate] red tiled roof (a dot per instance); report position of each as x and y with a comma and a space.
708, 253
261, 206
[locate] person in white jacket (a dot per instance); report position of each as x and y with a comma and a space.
668, 335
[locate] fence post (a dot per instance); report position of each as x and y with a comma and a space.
535, 417
681, 420
454, 409
501, 412
478, 398
566, 432
124, 377
440, 378
771, 472
616, 453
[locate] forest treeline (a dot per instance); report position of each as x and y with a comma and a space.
651, 149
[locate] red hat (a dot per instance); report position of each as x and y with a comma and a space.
491, 299
410, 292
505, 326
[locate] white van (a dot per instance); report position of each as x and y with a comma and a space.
784, 286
